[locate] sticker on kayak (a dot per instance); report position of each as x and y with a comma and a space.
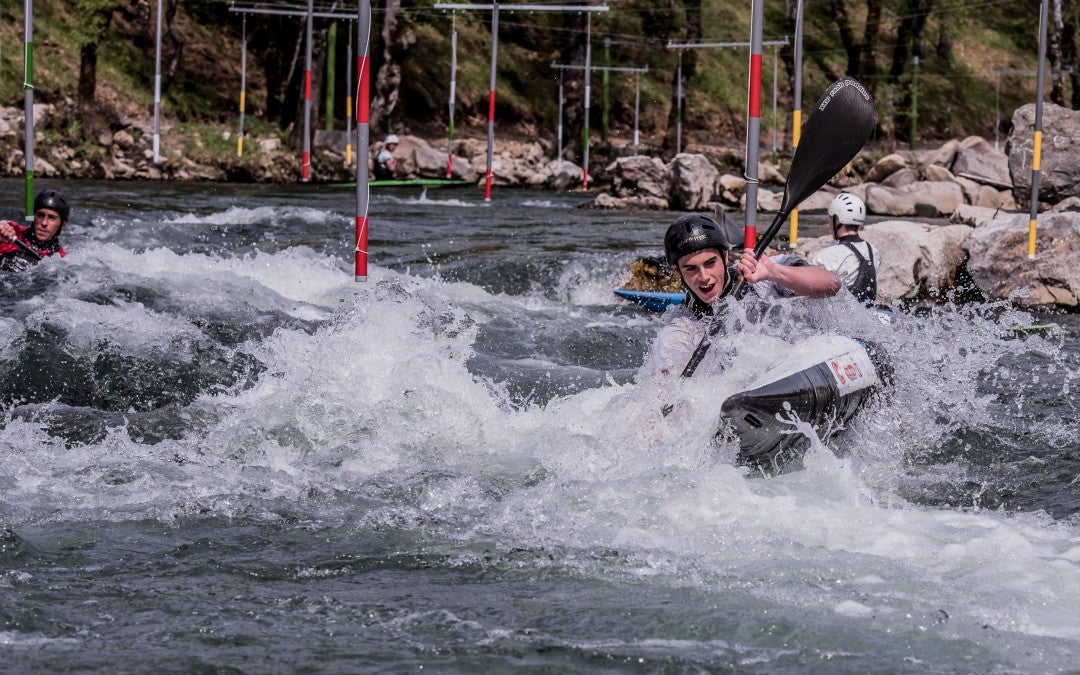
853, 371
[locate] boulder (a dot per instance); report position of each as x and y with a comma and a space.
643, 202
886, 166
901, 178
730, 188
557, 175
819, 201
693, 182
429, 162
977, 160
767, 201
1059, 169
639, 177
1000, 267
937, 172
943, 156
887, 201
935, 198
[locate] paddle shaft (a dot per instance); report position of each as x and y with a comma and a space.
26, 247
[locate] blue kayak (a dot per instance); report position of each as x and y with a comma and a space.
657, 301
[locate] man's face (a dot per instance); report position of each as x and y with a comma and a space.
46, 224
704, 273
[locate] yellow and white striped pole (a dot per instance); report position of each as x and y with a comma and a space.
796, 114
1036, 158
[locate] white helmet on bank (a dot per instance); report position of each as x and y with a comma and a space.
391, 138
848, 209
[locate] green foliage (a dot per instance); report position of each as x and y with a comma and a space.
956, 88
92, 21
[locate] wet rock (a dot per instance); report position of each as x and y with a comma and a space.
1000, 266
693, 182
1059, 170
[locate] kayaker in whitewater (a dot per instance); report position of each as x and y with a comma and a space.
699, 249
385, 164
22, 246
851, 258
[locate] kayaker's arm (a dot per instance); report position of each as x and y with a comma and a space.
808, 280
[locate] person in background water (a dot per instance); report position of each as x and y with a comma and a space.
384, 159
851, 258
22, 246
698, 248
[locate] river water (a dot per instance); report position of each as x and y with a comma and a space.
220, 453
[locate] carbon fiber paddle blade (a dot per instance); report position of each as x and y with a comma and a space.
839, 126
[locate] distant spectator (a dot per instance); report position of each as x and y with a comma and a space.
385, 164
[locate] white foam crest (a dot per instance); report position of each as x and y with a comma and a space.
89, 325
427, 201
582, 283
242, 215
267, 280
547, 204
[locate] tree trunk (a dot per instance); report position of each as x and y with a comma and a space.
178, 45
87, 75
839, 15
388, 78
1054, 52
1069, 61
94, 19
867, 73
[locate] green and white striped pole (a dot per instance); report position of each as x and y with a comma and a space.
28, 104
157, 87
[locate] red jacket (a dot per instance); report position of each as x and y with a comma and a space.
9, 247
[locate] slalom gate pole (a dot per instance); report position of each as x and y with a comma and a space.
305, 165
1036, 157
348, 100
491, 100
363, 117
588, 91
678, 105
558, 132
796, 113
243, 87
28, 108
453, 88
157, 86
753, 126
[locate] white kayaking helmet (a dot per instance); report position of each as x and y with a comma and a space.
390, 138
848, 209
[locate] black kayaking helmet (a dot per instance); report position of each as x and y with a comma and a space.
51, 199
695, 232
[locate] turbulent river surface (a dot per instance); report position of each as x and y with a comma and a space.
220, 453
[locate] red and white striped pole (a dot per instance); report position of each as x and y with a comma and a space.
753, 126
588, 95
453, 87
363, 116
305, 167
491, 100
